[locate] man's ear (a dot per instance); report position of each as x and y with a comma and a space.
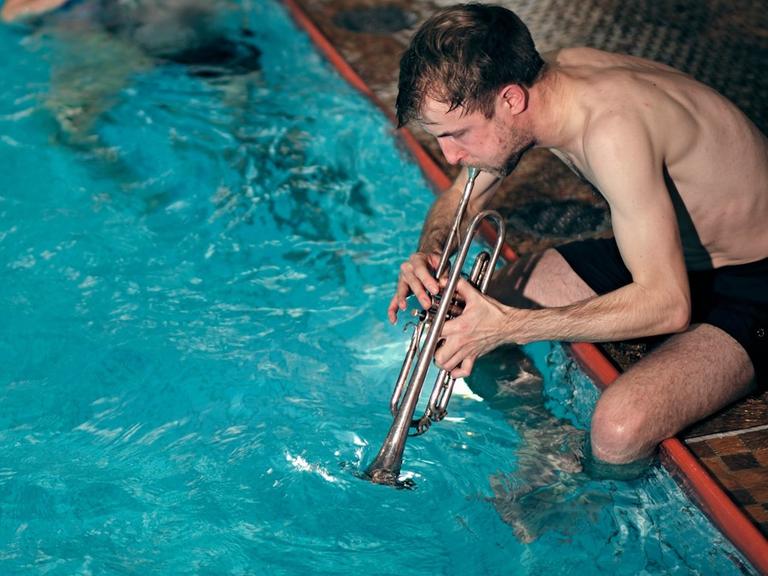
514, 98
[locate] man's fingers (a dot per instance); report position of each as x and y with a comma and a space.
424, 266
392, 309
433, 260
447, 354
424, 275
452, 327
415, 275
464, 370
422, 296
465, 289
455, 363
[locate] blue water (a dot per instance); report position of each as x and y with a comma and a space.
195, 360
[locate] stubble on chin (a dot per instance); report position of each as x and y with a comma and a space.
512, 162
503, 170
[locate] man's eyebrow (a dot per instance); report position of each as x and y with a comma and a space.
445, 134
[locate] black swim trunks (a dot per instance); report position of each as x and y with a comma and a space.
732, 298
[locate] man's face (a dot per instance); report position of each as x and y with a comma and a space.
490, 144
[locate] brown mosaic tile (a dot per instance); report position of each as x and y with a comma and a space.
757, 512
701, 449
760, 492
740, 461
743, 496
762, 457
755, 478
747, 487
727, 445
756, 440
722, 473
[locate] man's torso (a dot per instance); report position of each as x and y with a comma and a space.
715, 161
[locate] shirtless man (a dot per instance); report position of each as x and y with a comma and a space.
685, 175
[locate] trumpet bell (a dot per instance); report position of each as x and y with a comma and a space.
389, 478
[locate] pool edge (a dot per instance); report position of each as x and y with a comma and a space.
675, 457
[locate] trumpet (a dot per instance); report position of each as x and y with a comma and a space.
385, 468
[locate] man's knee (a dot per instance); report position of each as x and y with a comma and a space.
621, 433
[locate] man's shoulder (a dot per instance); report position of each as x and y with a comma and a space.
615, 138
614, 127
588, 56
574, 55
603, 62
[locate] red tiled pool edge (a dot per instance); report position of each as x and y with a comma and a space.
674, 455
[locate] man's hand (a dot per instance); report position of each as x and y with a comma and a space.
417, 277
482, 326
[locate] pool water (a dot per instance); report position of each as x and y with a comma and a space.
195, 359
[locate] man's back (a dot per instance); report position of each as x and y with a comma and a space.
714, 158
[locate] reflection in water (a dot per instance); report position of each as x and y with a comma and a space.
280, 187
550, 486
106, 52
101, 44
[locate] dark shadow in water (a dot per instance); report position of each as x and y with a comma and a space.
318, 206
102, 44
196, 33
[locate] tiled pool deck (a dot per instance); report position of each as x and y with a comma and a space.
725, 45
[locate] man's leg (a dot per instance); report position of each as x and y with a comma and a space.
544, 279
688, 377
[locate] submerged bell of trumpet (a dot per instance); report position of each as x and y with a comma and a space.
385, 468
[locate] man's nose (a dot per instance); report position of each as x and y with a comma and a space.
453, 153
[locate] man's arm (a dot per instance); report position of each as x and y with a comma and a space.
629, 171
416, 273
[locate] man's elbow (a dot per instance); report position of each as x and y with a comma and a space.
678, 316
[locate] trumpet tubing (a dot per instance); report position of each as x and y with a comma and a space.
385, 468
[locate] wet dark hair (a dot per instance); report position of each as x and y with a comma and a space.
462, 56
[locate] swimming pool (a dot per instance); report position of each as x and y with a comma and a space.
197, 365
